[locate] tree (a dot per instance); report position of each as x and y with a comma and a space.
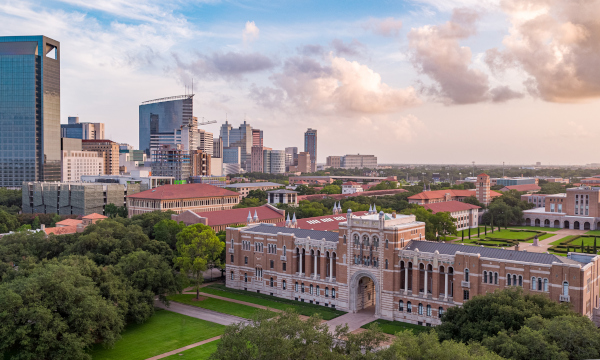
56, 218
250, 202
36, 223
305, 190
443, 224
473, 201
8, 222
54, 312
198, 248
261, 195
331, 189
113, 210
167, 230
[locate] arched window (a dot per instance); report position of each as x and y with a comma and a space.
401, 305
245, 260
332, 293
232, 243
311, 289
232, 275
496, 278
318, 291
566, 288
467, 275
296, 287
408, 307
428, 310
545, 284
344, 239
386, 243
271, 282
533, 283
302, 287
356, 239
540, 288
284, 250
508, 280
420, 308
245, 277
485, 277
283, 285
375, 241
386, 264
231, 258
440, 312
366, 240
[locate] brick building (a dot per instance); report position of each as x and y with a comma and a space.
220, 220
109, 150
379, 262
466, 215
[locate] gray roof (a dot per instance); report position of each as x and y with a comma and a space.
299, 233
254, 184
281, 191
501, 254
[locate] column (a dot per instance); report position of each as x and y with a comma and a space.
445, 284
425, 282
301, 256
315, 263
330, 268
405, 278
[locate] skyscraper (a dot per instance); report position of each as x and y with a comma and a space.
84, 131
310, 146
257, 137
242, 138
29, 110
294, 152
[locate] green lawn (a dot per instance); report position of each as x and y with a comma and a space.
543, 237
586, 241
593, 232
504, 234
273, 302
535, 228
473, 232
201, 352
557, 242
222, 306
392, 327
164, 331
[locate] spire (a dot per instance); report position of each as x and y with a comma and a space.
287, 221
294, 221
370, 209
249, 219
255, 216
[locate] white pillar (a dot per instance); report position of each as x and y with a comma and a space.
446, 285
425, 282
330, 268
405, 280
315, 263
301, 256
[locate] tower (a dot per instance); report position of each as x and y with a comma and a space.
482, 189
310, 146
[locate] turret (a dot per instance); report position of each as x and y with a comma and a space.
294, 221
249, 218
255, 216
287, 221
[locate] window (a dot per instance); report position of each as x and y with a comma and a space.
283, 266
508, 280
386, 243
232, 258
356, 240
344, 239
467, 275
533, 283
333, 293
296, 287
539, 287
401, 305
408, 307
366, 241
375, 241
496, 278
485, 280
386, 264
326, 292
283, 285
420, 309
302, 287
545, 284
311, 289
318, 291
245, 277
566, 288
232, 275
520, 280
466, 295
232, 243
284, 251
440, 312
272, 263
428, 310
246, 260
271, 282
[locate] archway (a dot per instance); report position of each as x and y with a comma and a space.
586, 225
566, 225
365, 293
546, 223
576, 225
528, 222
556, 224
537, 222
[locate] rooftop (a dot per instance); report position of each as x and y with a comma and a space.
183, 191
501, 254
322, 223
450, 206
299, 233
524, 187
281, 191
94, 216
436, 194
62, 230
239, 216
254, 184
67, 222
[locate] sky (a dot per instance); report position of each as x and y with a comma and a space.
420, 81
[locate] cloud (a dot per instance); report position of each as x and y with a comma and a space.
341, 86
353, 48
229, 66
250, 32
557, 44
385, 27
503, 94
311, 50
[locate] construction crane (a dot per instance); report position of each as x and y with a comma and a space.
207, 122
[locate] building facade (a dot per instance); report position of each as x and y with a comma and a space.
466, 215
171, 160
109, 150
282, 196
201, 163
242, 138
351, 187
29, 110
359, 161
378, 262
84, 131
293, 151
304, 163
310, 146
244, 188
334, 161
77, 163
183, 197
257, 158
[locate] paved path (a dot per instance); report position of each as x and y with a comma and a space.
544, 245
184, 348
200, 313
354, 320
235, 301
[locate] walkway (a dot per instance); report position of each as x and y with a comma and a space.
354, 320
184, 348
544, 245
200, 313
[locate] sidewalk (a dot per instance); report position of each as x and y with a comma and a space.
184, 348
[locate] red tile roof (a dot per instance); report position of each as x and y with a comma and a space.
350, 183
321, 223
450, 206
67, 222
524, 187
183, 191
437, 194
239, 216
343, 196
483, 174
63, 230
94, 216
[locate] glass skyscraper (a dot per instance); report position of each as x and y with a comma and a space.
29, 110
310, 146
241, 137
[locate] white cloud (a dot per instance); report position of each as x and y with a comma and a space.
250, 32
386, 27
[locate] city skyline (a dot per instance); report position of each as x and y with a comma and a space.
366, 78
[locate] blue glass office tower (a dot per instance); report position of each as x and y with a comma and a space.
29, 110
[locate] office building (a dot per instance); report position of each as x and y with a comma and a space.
216, 166
132, 160
201, 163
74, 164
206, 142
257, 137
359, 161
274, 161
74, 198
109, 150
217, 148
334, 162
293, 152
242, 138
29, 110
160, 119
141, 177
515, 181
180, 198
399, 276
257, 158
232, 155
84, 131
304, 163
172, 160
310, 146
219, 181
231, 169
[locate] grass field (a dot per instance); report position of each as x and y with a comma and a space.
201, 352
543, 237
587, 241
557, 242
593, 232
535, 228
164, 331
392, 327
273, 302
504, 234
222, 306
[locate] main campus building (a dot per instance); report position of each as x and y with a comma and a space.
381, 263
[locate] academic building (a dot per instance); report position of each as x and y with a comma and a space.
381, 263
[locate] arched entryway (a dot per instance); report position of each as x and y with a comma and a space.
576, 225
566, 225
546, 223
537, 222
528, 222
556, 224
586, 225
365, 293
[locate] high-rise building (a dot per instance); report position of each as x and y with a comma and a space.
241, 137
77, 163
206, 142
201, 163
273, 161
334, 162
304, 162
160, 119
359, 161
29, 110
232, 155
172, 160
257, 158
257, 137
217, 148
78, 130
310, 146
110, 152
482, 189
293, 151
